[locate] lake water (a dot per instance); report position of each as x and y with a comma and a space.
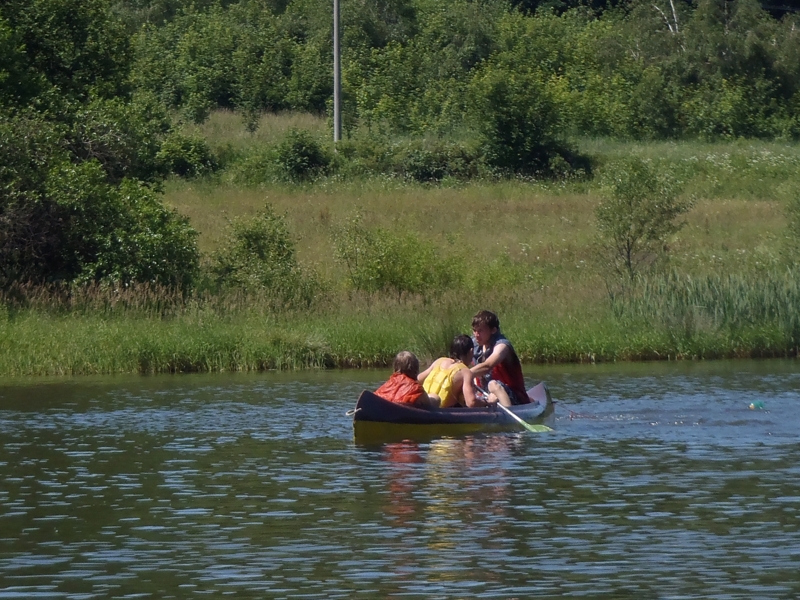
658, 482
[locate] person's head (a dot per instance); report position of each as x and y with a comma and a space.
461, 348
484, 325
406, 363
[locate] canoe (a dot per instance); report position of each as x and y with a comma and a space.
375, 417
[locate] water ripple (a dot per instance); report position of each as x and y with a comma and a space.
659, 482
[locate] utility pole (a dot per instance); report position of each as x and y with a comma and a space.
337, 76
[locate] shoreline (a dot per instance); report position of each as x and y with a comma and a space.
36, 345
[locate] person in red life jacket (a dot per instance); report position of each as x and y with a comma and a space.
497, 365
403, 386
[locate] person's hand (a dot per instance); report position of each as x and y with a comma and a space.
491, 399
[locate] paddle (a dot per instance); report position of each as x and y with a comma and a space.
535, 428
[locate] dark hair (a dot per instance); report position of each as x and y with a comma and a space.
406, 363
460, 346
487, 318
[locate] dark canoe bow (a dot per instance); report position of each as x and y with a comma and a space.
373, 415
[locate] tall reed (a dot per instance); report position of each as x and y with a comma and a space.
732, 305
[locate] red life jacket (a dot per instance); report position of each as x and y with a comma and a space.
401, 389
509, 371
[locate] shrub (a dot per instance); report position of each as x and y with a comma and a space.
259, 257
638, 213
396, 262
519, 125
299, 156
516, 119
186, 156
122, 136
416, 158
256, 167
425, 161
63, 219
118, 234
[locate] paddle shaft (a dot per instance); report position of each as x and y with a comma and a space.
517, 418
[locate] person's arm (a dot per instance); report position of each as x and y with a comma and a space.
468, 389
499, 352
422, 376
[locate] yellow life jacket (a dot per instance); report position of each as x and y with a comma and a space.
440, 380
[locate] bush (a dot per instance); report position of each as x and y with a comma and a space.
259, 257
62, 219
516, 119
638, 213
118, 234
122, 136
29, 148
519, 124
396, 262
425, 161
417, 159
255, 167
186, 156
299, 156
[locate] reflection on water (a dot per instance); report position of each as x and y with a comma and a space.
659, 482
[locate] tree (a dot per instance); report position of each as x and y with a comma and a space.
639, 212
62, 220
73, 49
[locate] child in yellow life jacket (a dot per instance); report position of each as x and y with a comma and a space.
449, 378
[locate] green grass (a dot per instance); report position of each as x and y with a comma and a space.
246, 336
740, 188
527, 248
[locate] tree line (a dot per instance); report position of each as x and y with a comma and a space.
639, 69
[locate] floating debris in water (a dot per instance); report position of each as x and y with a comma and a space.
758, 404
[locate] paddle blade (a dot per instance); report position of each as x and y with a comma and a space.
537, 427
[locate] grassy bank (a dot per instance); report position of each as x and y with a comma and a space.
90, 345
543, 325
523, 248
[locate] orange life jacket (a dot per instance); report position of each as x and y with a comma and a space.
401, 389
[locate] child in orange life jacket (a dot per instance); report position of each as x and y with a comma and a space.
449, 380
403, 386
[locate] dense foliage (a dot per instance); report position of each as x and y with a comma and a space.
64, 219
78, 149
710, 68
